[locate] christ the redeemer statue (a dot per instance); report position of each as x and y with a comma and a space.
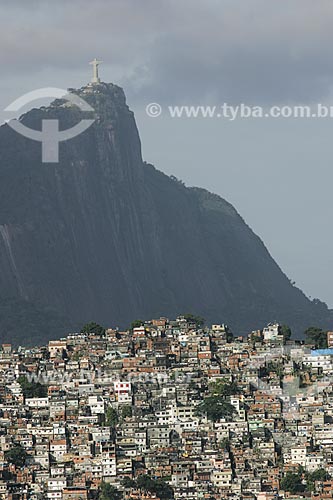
95, 63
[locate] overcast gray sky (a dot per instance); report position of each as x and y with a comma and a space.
277, 172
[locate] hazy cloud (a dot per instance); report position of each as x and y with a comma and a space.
256, 51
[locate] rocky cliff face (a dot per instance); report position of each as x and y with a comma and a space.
104, 236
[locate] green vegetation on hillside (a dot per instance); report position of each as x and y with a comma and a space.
109, 492
32, 389
16, 456
215, 408
144, 482
316, 336
93, 328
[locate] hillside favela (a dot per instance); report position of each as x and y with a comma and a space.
168, 409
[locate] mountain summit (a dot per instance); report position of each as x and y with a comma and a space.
104, 236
